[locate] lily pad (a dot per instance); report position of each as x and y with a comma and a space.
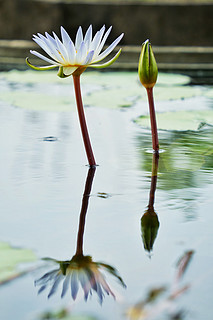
39, 101
171, 79
45, 91
10, 259
30, 76
180, 121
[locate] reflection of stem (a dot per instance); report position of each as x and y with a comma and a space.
85, 134
155, 143
149, 221
155, 159
85, 203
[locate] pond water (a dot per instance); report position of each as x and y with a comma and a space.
53, 206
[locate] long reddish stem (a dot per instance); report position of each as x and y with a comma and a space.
155, 143
85, 134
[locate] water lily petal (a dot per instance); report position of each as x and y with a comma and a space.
69, 70
49, 37
85, 283
74, 284
41, 56
106, 64
71, 53
43, 45
55, 285
51, 42
81, 54
65, 285
47, 45
79, 38
46, 277
88, 37
61, 48
109, 49
91, 277
100, 292
97, 39
100, 47
89, 58
42, 289
65, 36
104, 284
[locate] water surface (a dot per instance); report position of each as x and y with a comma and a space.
43, 175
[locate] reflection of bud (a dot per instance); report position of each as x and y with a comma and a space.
147, 67
149, 228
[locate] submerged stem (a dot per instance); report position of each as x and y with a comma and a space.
155, 143
85, 134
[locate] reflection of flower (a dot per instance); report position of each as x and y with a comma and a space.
80, 269
71, 57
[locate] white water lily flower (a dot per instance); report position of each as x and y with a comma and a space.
69, 56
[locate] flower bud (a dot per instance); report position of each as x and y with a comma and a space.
147, 67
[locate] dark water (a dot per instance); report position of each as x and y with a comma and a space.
43, 176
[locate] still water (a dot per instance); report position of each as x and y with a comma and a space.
90, 224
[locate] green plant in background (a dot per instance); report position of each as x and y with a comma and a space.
148, 73
73, 59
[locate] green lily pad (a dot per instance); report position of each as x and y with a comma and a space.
31, 76
171, 79
39, 101
180, 121
45, 91
177, 92
10, 259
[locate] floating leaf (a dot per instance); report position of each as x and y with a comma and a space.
28, 89
39, 101
10, 259
180, 121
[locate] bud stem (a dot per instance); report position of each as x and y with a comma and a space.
85, 134
155, 143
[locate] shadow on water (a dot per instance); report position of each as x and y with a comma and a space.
81, 269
